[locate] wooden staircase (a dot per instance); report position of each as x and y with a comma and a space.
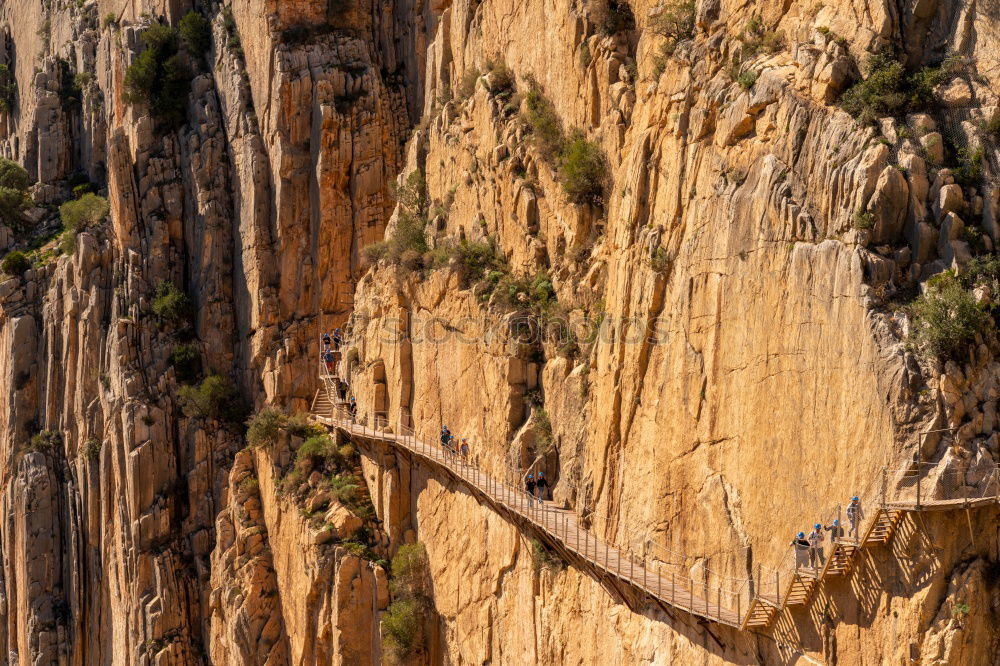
842, 558
883, 527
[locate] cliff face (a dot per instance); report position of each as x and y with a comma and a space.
736, 365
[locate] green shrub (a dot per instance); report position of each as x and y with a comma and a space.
546, 128
250, 485
299, 426
315, 451
67, 241
863, 219
408, 237
84, 188
747, 79
15, 263
616, 17
756, 39
543, 556
946, 318
401, 627
993, 127
8, 89
159, 77
536, 293
14, 197
45, 440
170, 304
110, 21
886, 90
675, 23
196, 32
583, 171
81, 213
660, 261
265, 426
186, 361
410, 571
91, 448
215, 398
881, 93
969, 172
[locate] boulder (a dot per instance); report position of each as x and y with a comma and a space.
949, 199
933, 146
343, 521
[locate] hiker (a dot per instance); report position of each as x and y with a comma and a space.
835, 530
541, 483
352, 409
801, 547
529, 487
465, 449
328, 358
338, 339
816, 558
445, 438
855, 514
326, 342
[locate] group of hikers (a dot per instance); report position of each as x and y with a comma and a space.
809, 548
535, 485
331, 345
451, 446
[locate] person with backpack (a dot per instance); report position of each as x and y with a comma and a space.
541, 483
338, 339
326, 342
529, 487
816, 558
855, 514
445, 438
328, 359
801, 547
352, 409
835, 530
465, 449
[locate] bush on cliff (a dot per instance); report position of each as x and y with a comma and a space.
946, 318
887, 90
583, 171
160, 77
14, 197
170, 304
8, 89
15, 263
404, 619
215, 398
88, 210
265, 426
196, 32
675, 23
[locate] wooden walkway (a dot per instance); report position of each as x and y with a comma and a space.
745, 611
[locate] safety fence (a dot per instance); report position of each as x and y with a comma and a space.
673, 578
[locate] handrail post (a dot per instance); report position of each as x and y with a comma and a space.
885, 482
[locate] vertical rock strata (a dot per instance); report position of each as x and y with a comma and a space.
736, 366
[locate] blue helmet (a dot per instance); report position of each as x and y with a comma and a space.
801, 535
854, 499
531, 476
353, 399
817, 526
836, 522
539, 475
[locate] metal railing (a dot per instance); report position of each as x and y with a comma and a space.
670, 577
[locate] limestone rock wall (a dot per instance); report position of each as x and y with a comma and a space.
776, 385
